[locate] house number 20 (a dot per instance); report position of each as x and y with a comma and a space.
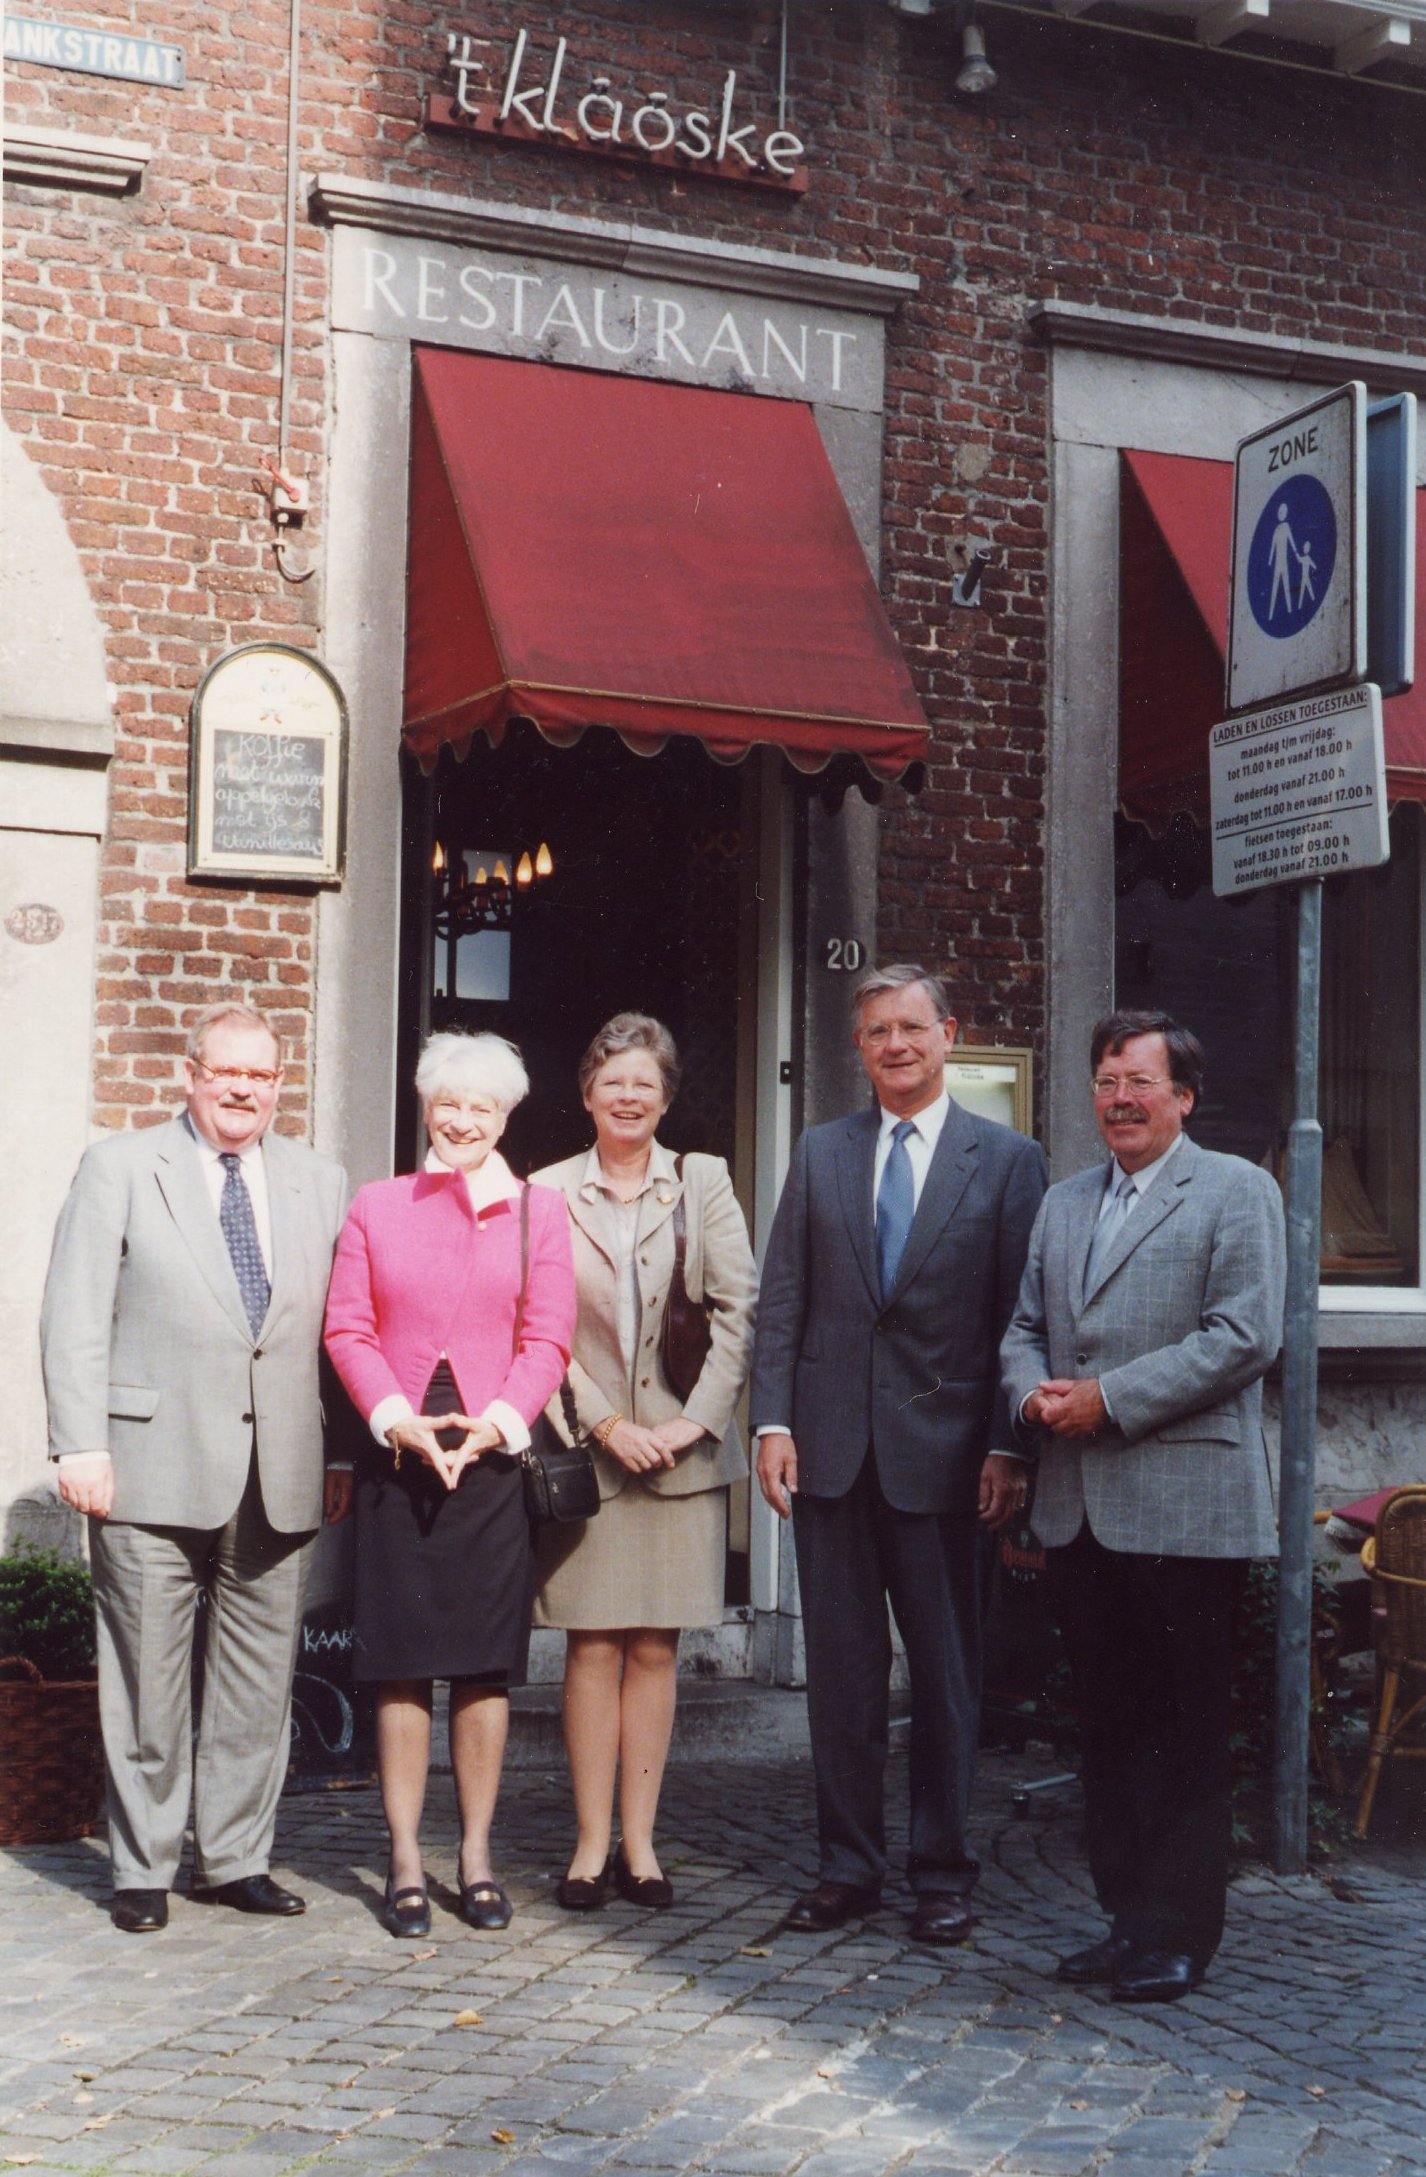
845, 953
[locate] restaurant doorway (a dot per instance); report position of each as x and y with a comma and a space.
644, 898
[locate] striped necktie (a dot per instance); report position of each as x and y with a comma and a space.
895, 1206
1111, 1223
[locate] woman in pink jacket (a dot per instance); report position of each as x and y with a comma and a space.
449, 1320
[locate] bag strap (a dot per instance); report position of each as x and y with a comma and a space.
678, 1282
566, 1394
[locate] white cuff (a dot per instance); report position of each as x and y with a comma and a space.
386, 1410
57, 1458
772, 1428
510, 1424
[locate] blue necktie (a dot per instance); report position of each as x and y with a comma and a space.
895, 1206
235, 1215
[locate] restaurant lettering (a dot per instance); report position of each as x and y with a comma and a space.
532, 99
399, 287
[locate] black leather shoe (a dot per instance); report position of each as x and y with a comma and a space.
584, 1893
941, 1918
484, 1904
140, 1912
1101, 1962
832, 1904
652, 1891
1156, 1976
252, 1893
407, 1912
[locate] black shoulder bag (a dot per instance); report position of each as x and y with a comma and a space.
560, 1480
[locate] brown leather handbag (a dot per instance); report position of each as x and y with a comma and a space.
686, 1333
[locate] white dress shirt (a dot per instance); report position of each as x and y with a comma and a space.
1139, 1184
254, 1173
920, 1148
490, 1182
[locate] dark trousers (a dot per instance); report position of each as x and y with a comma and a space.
854, 1553
1150, 1644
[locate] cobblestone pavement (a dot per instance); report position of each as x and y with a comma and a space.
703, 2038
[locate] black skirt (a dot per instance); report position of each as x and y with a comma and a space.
444, 1577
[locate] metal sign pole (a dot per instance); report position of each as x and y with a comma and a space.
1299, 1408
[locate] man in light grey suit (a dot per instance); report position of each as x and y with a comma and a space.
1151, 1309
891, 1273
181, 1335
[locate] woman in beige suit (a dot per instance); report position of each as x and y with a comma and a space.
624, 1584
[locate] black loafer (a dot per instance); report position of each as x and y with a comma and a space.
253, 1893
584, 1893
651, 1891
484, 1905
941, 1918
831, 1905
139, 1912
1156, 1976
407, 1912
1101, 1962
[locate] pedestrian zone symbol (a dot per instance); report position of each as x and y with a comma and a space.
1291, 557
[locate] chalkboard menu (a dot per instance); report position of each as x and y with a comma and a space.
267, 768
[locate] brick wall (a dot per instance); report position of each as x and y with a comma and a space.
143, 371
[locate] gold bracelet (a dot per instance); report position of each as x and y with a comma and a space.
395, 1455
603, 1430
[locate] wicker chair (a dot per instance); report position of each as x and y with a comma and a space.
1395, 1556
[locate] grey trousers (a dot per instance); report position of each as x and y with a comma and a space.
147, 1581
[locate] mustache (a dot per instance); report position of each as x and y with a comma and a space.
1126, 1111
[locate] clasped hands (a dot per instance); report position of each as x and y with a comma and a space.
1068, 1406
417, 1433
641, 1451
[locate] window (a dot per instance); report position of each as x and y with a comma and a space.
1227, 968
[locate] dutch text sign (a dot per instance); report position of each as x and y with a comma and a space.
94, 52
1298, 790
1297, 617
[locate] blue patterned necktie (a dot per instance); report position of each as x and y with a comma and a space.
235, 1215
895, 1206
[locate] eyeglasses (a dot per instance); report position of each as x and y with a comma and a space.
262, 1075
1134, 1084
915, 1031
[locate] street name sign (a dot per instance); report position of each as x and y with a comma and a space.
1297, 613
1298, 790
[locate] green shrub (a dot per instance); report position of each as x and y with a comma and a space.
47, 1612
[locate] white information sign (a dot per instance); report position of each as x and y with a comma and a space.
1297, 614
1298, 790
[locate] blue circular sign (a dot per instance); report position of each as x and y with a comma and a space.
1291, 557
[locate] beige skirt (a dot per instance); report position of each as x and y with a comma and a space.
642, 1560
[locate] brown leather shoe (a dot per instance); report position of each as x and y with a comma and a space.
941, 1917
832, 1904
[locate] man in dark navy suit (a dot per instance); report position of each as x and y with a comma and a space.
891, 1275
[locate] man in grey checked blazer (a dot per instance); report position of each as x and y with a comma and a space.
1150, 1310
181, 1335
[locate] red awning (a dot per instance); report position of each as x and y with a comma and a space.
588, 550
1176, 524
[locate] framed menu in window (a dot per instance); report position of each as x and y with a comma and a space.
994, 1083
267, 769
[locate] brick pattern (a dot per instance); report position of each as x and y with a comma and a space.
143, 357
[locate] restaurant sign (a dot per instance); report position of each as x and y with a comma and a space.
529, 99
94, 52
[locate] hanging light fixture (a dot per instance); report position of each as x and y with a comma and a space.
976, 74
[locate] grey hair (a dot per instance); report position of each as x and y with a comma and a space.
633, 1032
212, 1016
483, 1065
899, 977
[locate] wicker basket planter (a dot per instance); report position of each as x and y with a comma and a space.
51, 1759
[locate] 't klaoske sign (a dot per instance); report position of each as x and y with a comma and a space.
532, 102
